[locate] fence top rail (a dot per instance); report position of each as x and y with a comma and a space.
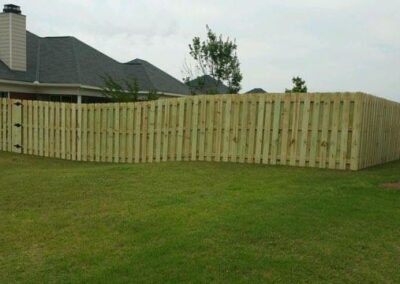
271, 96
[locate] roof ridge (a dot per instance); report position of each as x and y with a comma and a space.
147, 76
37, 75
158, 69
77, 65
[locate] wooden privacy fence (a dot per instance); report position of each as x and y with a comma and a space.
336, 131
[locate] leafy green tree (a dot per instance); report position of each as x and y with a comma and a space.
299, 86
128, 92
217, 58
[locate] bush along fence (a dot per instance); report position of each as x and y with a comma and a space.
335, 131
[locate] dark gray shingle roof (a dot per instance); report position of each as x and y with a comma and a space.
71, 61
256, 91
207, 85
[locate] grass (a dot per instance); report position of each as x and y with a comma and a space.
73, 222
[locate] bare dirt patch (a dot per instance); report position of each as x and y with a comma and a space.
392, 185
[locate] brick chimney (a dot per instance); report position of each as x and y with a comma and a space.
13, 37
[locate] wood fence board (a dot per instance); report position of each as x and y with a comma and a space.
243, 130
304, 130
259, 129
150, 141
138, 123
180, 138
275, 132
227, 125
285, 128
194, 125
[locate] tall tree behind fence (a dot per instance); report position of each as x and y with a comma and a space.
336, 131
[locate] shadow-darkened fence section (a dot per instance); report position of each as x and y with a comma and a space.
336, 131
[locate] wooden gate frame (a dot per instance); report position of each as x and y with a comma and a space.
16, 129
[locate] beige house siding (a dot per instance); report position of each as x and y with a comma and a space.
13, 41
5, 51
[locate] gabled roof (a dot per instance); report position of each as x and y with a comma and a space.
67, 60
207, 85
256, 91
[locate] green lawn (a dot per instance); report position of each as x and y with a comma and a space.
198, 222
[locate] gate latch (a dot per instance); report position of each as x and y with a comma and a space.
18, 146
18, 125
18, 103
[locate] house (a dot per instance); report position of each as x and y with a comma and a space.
207, 85
256, 91
65, 68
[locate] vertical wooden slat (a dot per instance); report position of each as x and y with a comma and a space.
84, 132
267, 130
285, 128
243, 130
315, 130
53, 117
355, 143
91, 132
325, 130
25, 126
202, 127
145, 121
138, 122
344, 132
259, 129
275, 130
195, 119
104, 129
234, 141
227, 125
68, 131
30, 131
304, 129
79, 121
334, 132
116, 132
97, 132
159, 128
166, 130
152, 118
57, 130
63, 130
74, 142
123, 136
251, 126
188, 129
129, 130
110, 133
173, 127
295, 131
181, 117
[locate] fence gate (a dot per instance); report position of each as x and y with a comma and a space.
16, 126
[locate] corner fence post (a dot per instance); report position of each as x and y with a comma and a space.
16, 126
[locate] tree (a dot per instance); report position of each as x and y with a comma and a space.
214, 57
129, 92
299, 86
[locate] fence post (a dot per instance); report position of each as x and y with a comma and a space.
16, 126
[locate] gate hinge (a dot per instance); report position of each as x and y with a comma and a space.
18, 103
18, 146
18, 125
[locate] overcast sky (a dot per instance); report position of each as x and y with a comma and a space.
335, 45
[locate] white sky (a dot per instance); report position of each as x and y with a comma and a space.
335, 45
